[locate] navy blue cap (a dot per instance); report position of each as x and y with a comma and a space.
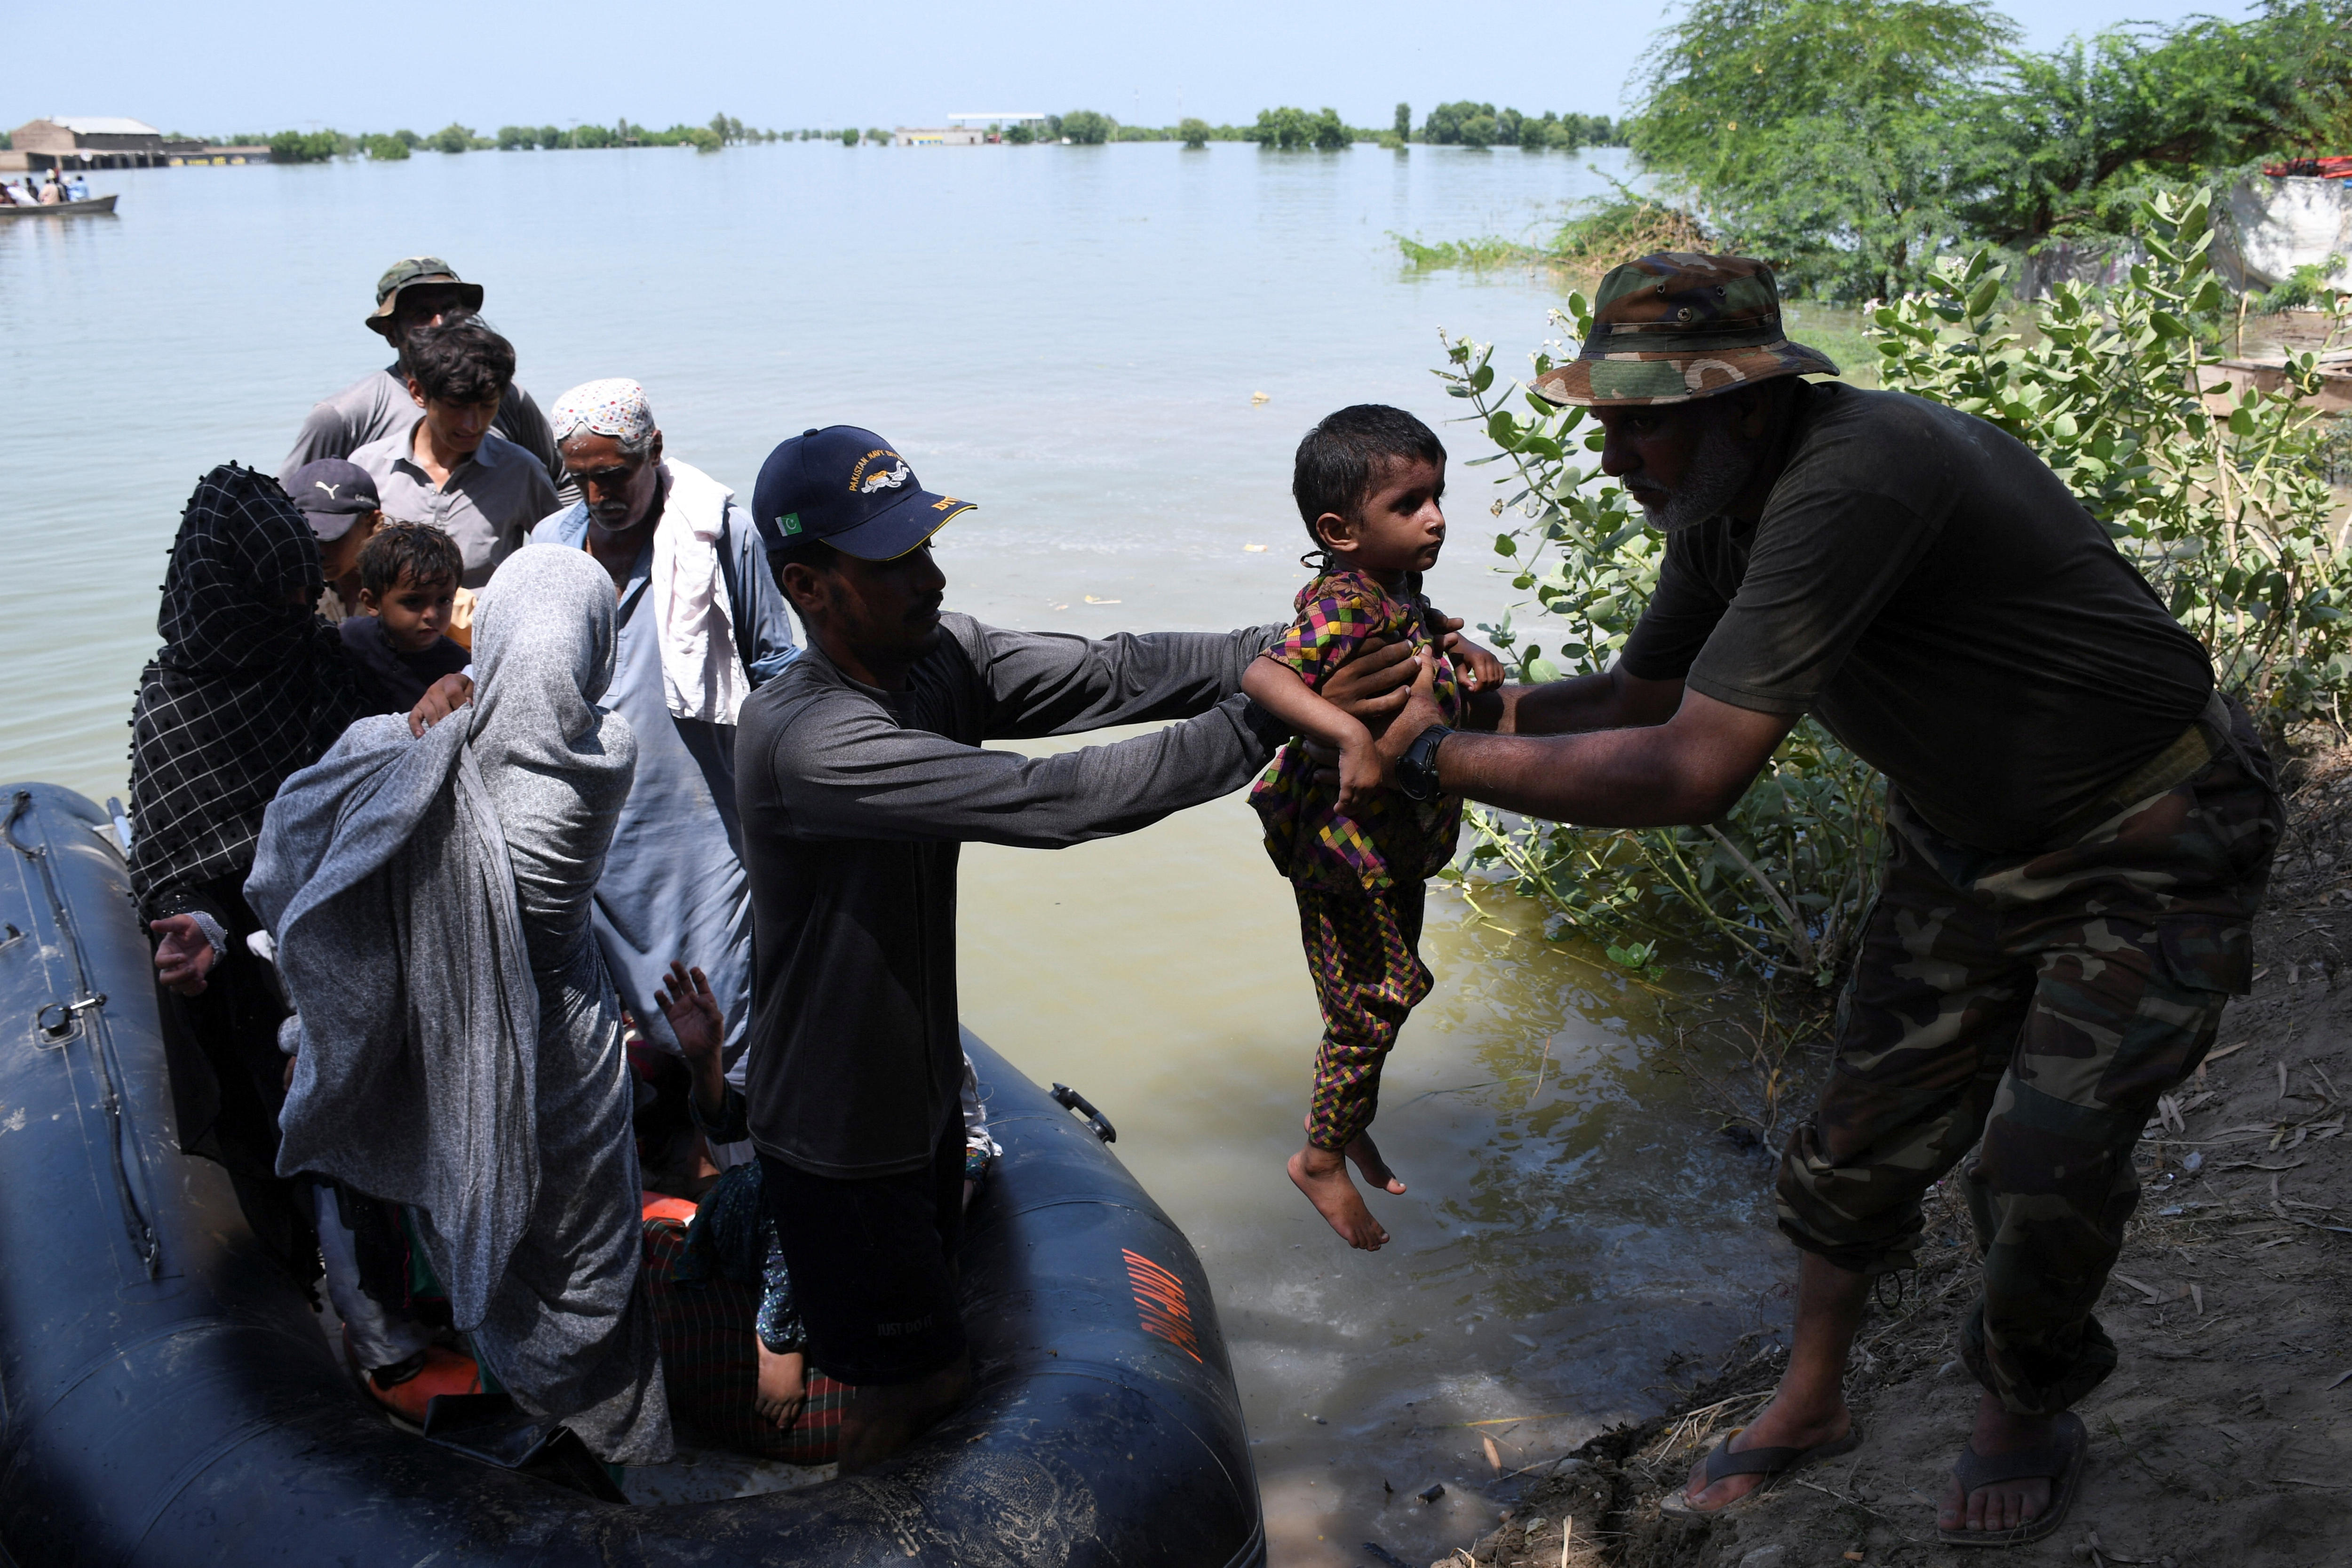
332, 494
848, 487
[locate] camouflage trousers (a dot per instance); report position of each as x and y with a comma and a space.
2031, 1008
1362, 950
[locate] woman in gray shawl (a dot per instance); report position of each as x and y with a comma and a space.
460, 1045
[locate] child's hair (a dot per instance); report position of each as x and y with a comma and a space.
1340, 460
458, 359
416, 550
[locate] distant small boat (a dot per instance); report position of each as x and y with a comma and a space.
60, 209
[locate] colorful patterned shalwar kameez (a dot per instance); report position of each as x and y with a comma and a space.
1358, 875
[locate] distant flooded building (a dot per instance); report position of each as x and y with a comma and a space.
939, 136
86, 142
89, 141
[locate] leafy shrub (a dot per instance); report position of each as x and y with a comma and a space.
386, 149
1019, 134
310, 147
1085, 128
2221, 500
452, 138
849, 137
1192, 133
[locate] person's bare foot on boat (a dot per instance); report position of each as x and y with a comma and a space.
1786, 1422
2004, 1505
1322, 1175
784, 1386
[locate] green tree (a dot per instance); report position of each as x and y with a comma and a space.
1821, 133
1403, 122
1444, 124
451, 138
1019, 134
384, 148
513, 137
879, 138
2073, 141
551, 136
1478, 131
849, 137
1330, 133
301, 147
1086, 128
1192, 133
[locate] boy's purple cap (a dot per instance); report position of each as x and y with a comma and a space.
333, 494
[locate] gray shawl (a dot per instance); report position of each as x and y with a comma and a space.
460, 1041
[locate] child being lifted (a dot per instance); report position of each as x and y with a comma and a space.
1367, 481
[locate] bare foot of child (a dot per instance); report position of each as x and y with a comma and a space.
1322, 1175
784, 1386
1366, 1157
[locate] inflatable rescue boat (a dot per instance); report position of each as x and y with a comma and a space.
167, 1396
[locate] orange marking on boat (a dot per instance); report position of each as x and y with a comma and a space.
1159, 1302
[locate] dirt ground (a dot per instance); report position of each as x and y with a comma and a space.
2225, 1436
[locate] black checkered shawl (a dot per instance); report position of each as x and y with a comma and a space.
249, 688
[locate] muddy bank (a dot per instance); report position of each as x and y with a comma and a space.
2225, 1436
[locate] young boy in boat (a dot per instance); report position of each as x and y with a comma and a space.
408, 575
1367, 481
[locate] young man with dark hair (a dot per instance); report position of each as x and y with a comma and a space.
417, 291
860, 770
447, 467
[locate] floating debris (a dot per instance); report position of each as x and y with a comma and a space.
1257, 397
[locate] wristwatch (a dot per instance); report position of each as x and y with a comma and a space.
1416, 771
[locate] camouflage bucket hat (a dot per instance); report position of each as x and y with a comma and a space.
1678, 326
429, 271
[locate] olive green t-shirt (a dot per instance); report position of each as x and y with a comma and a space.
1924, 585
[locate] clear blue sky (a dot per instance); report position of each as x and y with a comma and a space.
264, 65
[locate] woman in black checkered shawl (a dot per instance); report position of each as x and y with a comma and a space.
249, 687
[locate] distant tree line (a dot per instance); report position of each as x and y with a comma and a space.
1285, 129
317, 147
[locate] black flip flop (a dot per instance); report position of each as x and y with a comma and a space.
1722, 1461
2059, 1459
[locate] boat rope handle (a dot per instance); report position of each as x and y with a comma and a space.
137, 1227
1069, 1098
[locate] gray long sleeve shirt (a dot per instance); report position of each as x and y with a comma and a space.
855, 802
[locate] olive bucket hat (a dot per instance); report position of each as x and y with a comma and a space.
419, 271
1677, 326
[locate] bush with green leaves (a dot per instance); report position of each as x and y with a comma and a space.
308, 147
2220, 498
1192, 133
384, 148
1085, 128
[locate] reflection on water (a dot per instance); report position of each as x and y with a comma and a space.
1558, 1244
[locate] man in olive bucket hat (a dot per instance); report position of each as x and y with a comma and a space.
2080, 828
417, 291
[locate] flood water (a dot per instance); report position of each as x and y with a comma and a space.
1072, 337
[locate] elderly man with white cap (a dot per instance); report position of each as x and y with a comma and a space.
700, 625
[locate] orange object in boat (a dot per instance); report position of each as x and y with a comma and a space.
661, 1206
445, 1371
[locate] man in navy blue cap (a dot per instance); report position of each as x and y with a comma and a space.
859, 771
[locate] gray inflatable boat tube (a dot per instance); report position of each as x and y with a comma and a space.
167, 1397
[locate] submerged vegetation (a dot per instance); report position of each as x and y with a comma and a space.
2220, 498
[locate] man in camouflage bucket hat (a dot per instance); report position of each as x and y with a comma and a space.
2082, 828
1675, 326
412, 292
